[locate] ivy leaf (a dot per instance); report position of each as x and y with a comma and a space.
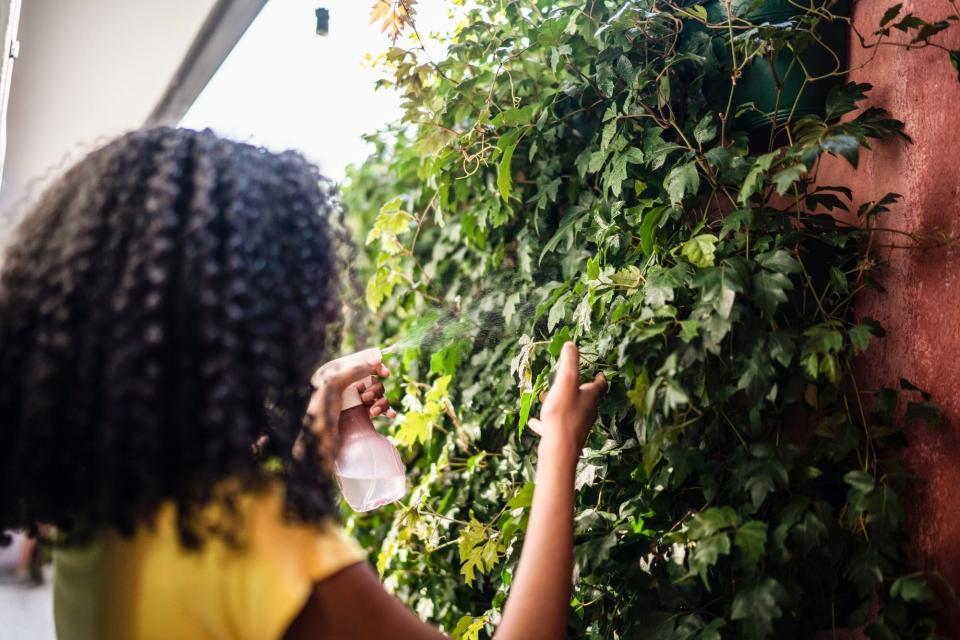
526, 400
682, 181
779, 260
735, 220
758, 606
784, 179
859, 336
823, 338
558, 340
757, 375
751, 539
638, 394
550, 32
558, 311
700, 250
860, 481
507, 145
770, 290
911, 589
843, 99
710, 521
469, 628
706, 552
648, 227
473, 562
706, 129
523, 498
414, 427
513, 117
843, 145
754, 180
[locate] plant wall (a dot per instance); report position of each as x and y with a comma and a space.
642, 178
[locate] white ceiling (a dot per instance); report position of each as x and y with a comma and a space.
88, 70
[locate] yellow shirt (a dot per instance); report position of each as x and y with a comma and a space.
150, 587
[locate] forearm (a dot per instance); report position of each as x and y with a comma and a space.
540, 595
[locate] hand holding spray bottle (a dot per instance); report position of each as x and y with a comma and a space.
368, 467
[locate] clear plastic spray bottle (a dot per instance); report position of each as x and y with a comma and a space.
368, 467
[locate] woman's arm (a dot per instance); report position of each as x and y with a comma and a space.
353, 603
540, 595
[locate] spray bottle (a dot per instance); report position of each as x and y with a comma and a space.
368, 467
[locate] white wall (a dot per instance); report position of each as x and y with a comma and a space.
88, 70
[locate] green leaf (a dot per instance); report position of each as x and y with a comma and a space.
629, 277
523, 498
911, 589
468, 628
699, 12
415, 426
663, 91
845, 146
758, 606
706, 552
513, 117
823, 338
859, 336
682, 181
648, 228
779, 260
843, 99
638, 394
550, 32
754, 180
504, 175
558, 311
784, 179
689, 330
734, 220
700, 250
770, 291
706, 129
710, 521
860, 480
526, 400
558, 340
751, 539
955, 61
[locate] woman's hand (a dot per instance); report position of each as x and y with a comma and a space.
335, 376
570, 407
330, 381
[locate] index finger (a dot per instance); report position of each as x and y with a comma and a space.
568, 371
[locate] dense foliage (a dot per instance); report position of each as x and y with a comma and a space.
584, 171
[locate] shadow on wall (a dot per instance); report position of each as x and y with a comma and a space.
919, 309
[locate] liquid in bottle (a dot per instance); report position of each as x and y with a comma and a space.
368, 467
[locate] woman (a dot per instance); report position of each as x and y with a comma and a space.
161, 311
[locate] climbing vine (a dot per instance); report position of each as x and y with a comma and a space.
642, 177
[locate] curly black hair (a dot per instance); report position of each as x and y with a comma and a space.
161, 310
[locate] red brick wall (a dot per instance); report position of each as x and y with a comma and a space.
921, 309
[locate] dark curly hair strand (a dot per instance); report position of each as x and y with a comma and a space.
161, 310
